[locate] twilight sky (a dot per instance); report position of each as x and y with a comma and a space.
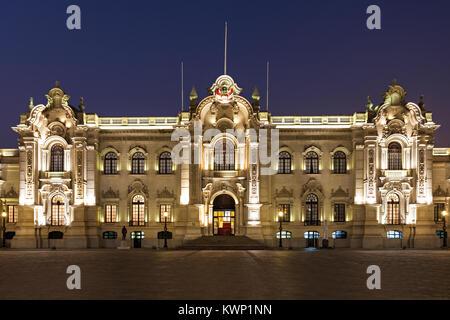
126, 58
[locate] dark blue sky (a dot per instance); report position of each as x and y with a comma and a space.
126, 59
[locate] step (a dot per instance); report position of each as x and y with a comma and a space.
223, 243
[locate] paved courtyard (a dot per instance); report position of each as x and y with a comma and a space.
269, 274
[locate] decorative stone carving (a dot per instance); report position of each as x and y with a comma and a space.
110, 194
284, 193
137, 186
339, 193
165, 193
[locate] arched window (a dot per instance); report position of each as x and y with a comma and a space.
393, 209
138, 163
339, 162
312, 162
165, 163
110, 164
394, 156
224, 155
58, 208
312, 210
284, 162
57, 158
137, 215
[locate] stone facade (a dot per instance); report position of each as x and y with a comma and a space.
353, 179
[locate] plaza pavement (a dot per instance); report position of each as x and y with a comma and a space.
214, 274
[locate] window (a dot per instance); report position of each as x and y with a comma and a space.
57, 158
394, 156
286, 209
339, 212
110, 164
284, 162
312, 163
312, 235
284, 234
137, 215
58, 208
438, 208
339, 162
394, 234
339, 234
110, 213
312, 210
13, 214
393, 209
138, 163
109, 235
440, 234
165, 208
224, 155
137, 235
165, 163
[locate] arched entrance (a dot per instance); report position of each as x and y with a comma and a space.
224, 214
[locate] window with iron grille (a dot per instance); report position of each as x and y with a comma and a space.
224, 155
13, 214
393, 209
339, 162
312, 163
394, 234
286, 209
312, 210
57, 158
438, 208
339, 234
165, 163
394, 156
109, 235
284, 162
58, 208
339, 212
138, 163
110, 163
137, 214
110, 213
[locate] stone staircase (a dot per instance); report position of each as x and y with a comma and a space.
223, 243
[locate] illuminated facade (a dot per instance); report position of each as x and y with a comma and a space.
372, 179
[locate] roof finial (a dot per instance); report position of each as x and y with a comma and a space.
394, 82
225, 60
31, 105
57, 84
369, 104
81, 106
422, 102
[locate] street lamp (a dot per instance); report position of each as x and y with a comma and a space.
166, 214
444, 245
280, 218
4, 229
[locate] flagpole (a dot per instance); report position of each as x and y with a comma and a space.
225, 58
267, 88
182, 86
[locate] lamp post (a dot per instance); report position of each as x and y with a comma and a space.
280, 218
444, 214
166, 214
3, 229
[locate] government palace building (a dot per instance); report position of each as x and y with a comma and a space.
225, 169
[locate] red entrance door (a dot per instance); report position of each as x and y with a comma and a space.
224, 222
